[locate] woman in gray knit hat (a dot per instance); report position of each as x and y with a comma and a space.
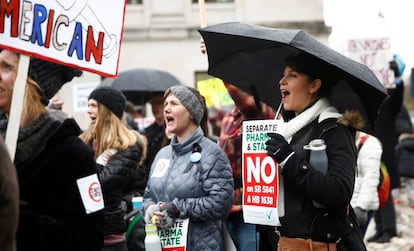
191, 177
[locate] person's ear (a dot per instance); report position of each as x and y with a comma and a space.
315, 86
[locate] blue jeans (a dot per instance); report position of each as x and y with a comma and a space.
244, 235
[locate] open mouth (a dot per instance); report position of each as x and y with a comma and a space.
284, 93
93, 120
169, 119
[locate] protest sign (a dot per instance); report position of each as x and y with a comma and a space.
175, 238
375, 53
84, 34
366, 37
217, 97
81, 94
260, 173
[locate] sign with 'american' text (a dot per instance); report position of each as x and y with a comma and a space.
260, 173
84, 34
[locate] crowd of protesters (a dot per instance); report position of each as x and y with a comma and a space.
69, 189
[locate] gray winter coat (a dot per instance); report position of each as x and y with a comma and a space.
203, 192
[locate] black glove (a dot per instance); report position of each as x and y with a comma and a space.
171, 212
171, 209
397, 65
362, 215
394, 67
277, 147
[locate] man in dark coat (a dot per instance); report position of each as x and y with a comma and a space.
155, 132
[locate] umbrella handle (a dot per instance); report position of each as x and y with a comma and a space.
278, 110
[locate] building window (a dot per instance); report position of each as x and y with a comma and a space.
134, 2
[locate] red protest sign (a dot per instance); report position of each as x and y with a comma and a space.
260, 180
260, 173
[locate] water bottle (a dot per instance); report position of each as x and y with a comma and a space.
318, 159
152, 240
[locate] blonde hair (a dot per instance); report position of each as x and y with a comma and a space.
32, 103
111, 133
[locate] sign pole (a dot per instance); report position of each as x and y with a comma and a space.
202, 8
16, 105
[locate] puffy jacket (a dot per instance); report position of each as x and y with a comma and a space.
203, 193
118, 179
368, 173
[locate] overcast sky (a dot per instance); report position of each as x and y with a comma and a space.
370, 18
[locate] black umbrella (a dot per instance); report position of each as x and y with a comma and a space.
253, 58
138, 84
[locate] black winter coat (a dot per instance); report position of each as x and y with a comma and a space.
9, 196
405, 155
303, 184
120, 183
385, 131
49, 159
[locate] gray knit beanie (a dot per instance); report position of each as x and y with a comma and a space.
111, 98
190, 98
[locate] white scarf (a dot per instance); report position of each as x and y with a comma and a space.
304, 118
321, 107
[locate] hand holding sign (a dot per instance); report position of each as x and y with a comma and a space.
397, 65
170, 213
260, 171
278, 148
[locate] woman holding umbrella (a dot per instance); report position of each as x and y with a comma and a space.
315, 212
